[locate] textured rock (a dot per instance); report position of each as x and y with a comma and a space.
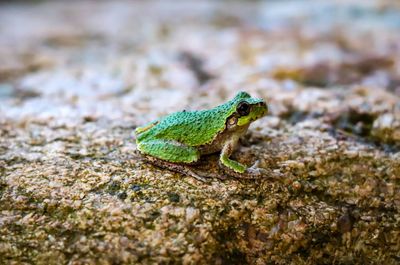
77, 79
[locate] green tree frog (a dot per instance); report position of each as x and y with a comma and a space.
179, 139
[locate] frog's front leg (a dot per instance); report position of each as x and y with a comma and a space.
237, 169
226, 152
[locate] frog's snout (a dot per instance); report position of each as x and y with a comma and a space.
263, 108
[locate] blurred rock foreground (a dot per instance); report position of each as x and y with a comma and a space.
76, 79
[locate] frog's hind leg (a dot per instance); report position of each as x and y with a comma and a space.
170, 151
171, 155
180, 168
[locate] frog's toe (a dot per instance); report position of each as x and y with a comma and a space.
256, 170
199, 177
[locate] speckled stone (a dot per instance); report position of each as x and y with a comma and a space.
77, 79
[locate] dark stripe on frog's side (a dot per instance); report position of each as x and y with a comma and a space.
219, 140
217, 144
229, 130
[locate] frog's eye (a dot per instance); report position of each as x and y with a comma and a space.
243, 108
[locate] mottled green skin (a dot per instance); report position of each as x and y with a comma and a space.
180, 137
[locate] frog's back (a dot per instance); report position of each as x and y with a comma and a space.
193, 128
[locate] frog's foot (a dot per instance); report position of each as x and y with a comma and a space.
179, 168
255, 170
252, 172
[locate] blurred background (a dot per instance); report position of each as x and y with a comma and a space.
114, 59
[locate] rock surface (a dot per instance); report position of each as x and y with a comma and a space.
75, 80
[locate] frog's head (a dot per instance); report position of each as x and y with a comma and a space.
245, 109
